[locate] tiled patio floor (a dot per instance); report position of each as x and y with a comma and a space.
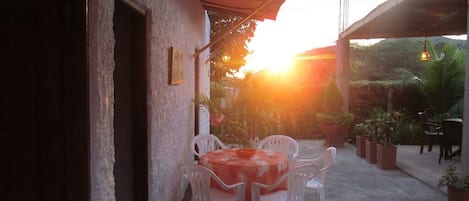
354, 179
423, 166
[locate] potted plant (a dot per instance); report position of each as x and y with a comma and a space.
385, 149
333, 122
457, 185
360, 131
370, 142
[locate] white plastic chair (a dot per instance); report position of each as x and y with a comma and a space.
283, 144
297, 179
199, 179
206, 143
324, 161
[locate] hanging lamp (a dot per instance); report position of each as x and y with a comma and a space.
226, 58
425, 55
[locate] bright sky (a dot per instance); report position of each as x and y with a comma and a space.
301, 25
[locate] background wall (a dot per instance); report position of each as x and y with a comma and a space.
181, 24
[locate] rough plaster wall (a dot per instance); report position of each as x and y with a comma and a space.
176, 23
179, 24
101, 64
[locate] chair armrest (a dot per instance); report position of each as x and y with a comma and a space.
431, 128
436, 126
256, 188
225, 186
433, 124
279, 180
317, 162
269, 187
300, 162
240, 187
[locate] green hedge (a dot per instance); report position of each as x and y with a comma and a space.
364, 95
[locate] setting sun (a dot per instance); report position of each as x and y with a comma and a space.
301, 25
269, 53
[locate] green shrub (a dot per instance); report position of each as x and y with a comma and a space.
394, 128
454, 179
333, 107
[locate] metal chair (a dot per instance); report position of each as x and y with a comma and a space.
430, 130
452, 135
204, 143
324, 161
199, 179
297, 179
283, 144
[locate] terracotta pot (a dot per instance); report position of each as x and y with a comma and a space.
335, 135
386, 156
361, 148
370, 151
457, 194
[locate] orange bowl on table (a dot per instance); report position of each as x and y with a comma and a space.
245, 152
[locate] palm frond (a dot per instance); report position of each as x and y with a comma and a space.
444, 79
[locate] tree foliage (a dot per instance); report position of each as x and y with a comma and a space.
442, 81
241, 110
234, 44
379, 61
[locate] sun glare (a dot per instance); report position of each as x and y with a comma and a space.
269, 53
301, 25
279, 65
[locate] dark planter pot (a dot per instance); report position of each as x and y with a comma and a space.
361, 148
335, 134
386, 156
370, 151
455, 194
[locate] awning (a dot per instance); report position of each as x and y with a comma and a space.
245, 7
250, 9
411, 18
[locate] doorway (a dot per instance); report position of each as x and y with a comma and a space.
130, 106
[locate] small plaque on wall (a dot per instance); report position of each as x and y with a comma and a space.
176, 67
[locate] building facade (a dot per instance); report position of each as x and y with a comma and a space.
99, 97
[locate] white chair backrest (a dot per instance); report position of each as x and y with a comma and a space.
281, 143
199, 179
206, 143
324, 161
297, 179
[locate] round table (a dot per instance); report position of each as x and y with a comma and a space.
264, 167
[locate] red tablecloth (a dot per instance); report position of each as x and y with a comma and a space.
264, 167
